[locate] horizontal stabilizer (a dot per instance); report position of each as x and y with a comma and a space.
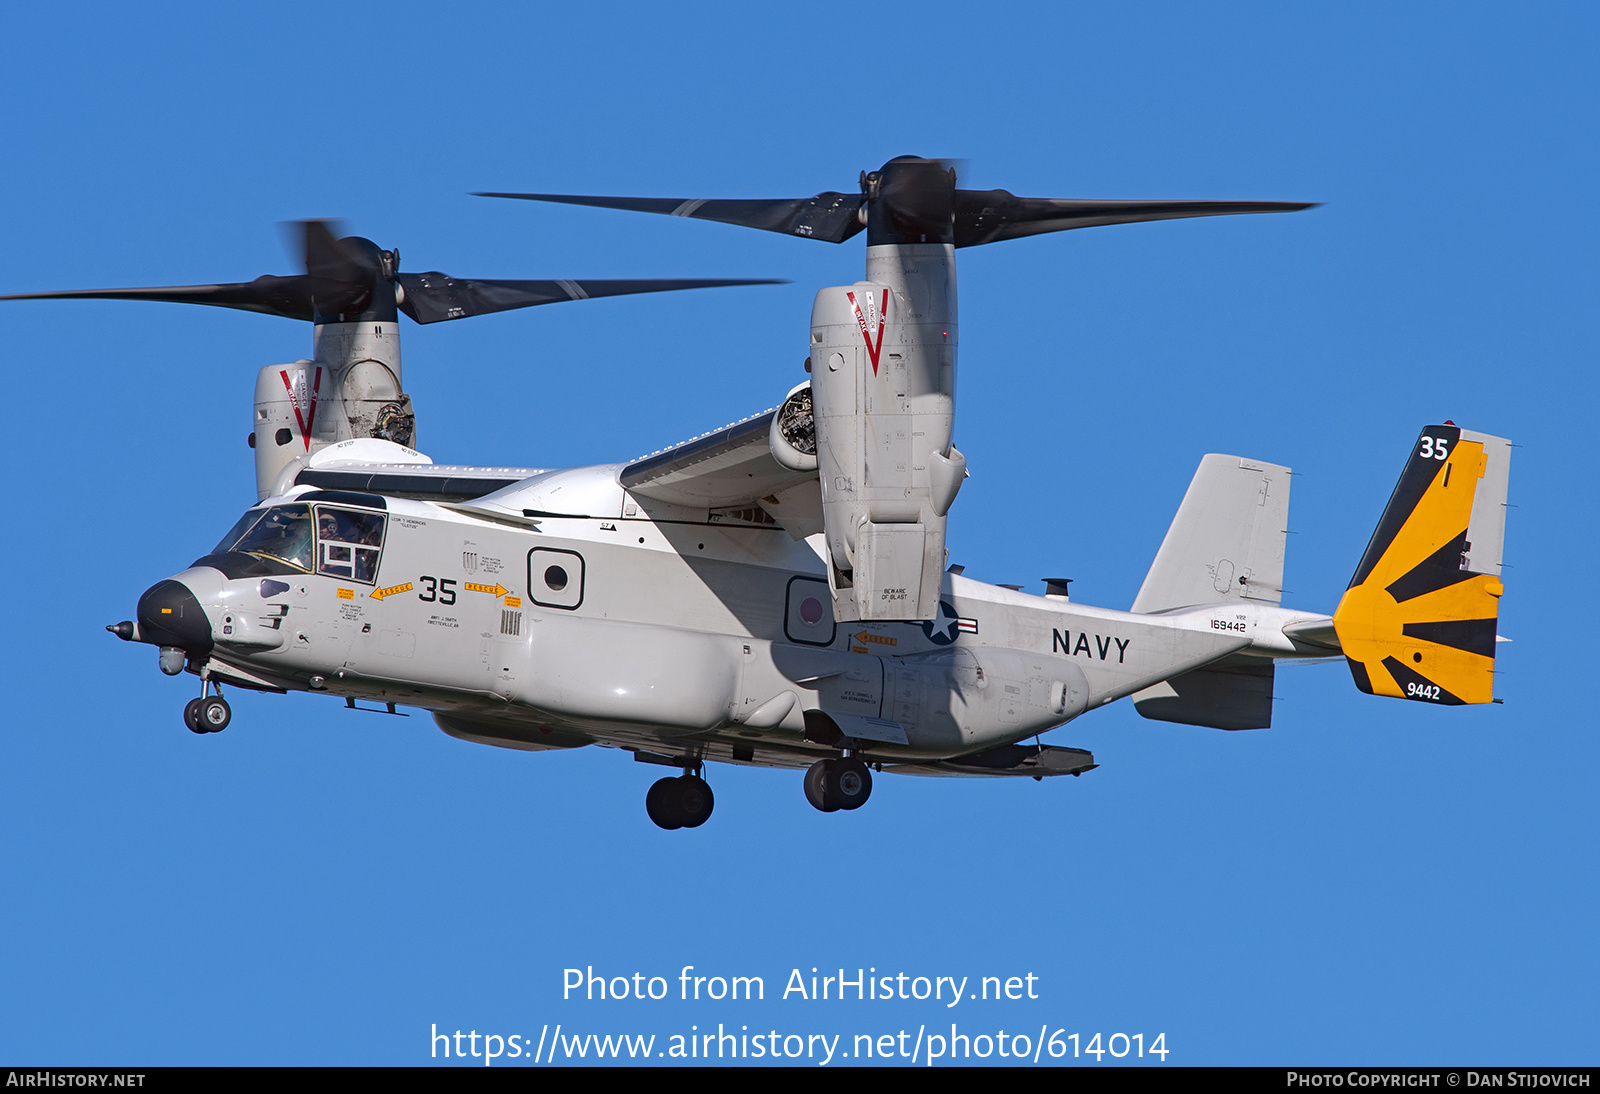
1226, 542
1418, 620
1231, 694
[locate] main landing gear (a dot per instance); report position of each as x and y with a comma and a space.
683, 802
209, 713
845, 783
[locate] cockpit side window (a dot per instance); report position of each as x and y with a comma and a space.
348, 543
245, 523
283, 533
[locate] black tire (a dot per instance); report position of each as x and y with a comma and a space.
816, 786
693, 801
191, 716
658, 804
213, 714
849, 783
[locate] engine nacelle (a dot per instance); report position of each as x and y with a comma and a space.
309, 405
793, 436
883, 356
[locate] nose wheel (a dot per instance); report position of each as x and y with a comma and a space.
208, 713
683, 802
845, 783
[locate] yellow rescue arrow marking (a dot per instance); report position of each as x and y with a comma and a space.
493, 590
864, 636
379, 594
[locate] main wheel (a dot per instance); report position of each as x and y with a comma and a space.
657, 803
684, 802
191, 716
816, 786
214, 714
849, 783
693, 800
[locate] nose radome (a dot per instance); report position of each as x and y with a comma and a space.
170, 615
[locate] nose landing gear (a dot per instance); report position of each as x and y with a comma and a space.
845, 783
208, 713
682, 802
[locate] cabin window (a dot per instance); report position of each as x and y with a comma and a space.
348, 543
555, 577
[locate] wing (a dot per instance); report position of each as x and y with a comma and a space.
731, 468
368, 465
427, 482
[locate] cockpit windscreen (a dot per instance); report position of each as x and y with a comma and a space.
342, 543
245, 523
283, 533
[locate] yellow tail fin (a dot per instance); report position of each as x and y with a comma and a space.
1419, 618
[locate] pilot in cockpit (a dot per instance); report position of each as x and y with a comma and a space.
348, 542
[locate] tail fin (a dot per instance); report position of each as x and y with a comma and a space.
1418, 620
1226, 541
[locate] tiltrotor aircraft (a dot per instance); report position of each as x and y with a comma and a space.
774, 592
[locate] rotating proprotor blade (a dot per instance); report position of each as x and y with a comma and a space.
829, 216
433, 297
988, 216
914, 200
343, 275
352, 279
285, 296
338, 279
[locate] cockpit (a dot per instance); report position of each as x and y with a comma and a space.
332, 540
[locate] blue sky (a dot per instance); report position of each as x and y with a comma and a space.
1367, 882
